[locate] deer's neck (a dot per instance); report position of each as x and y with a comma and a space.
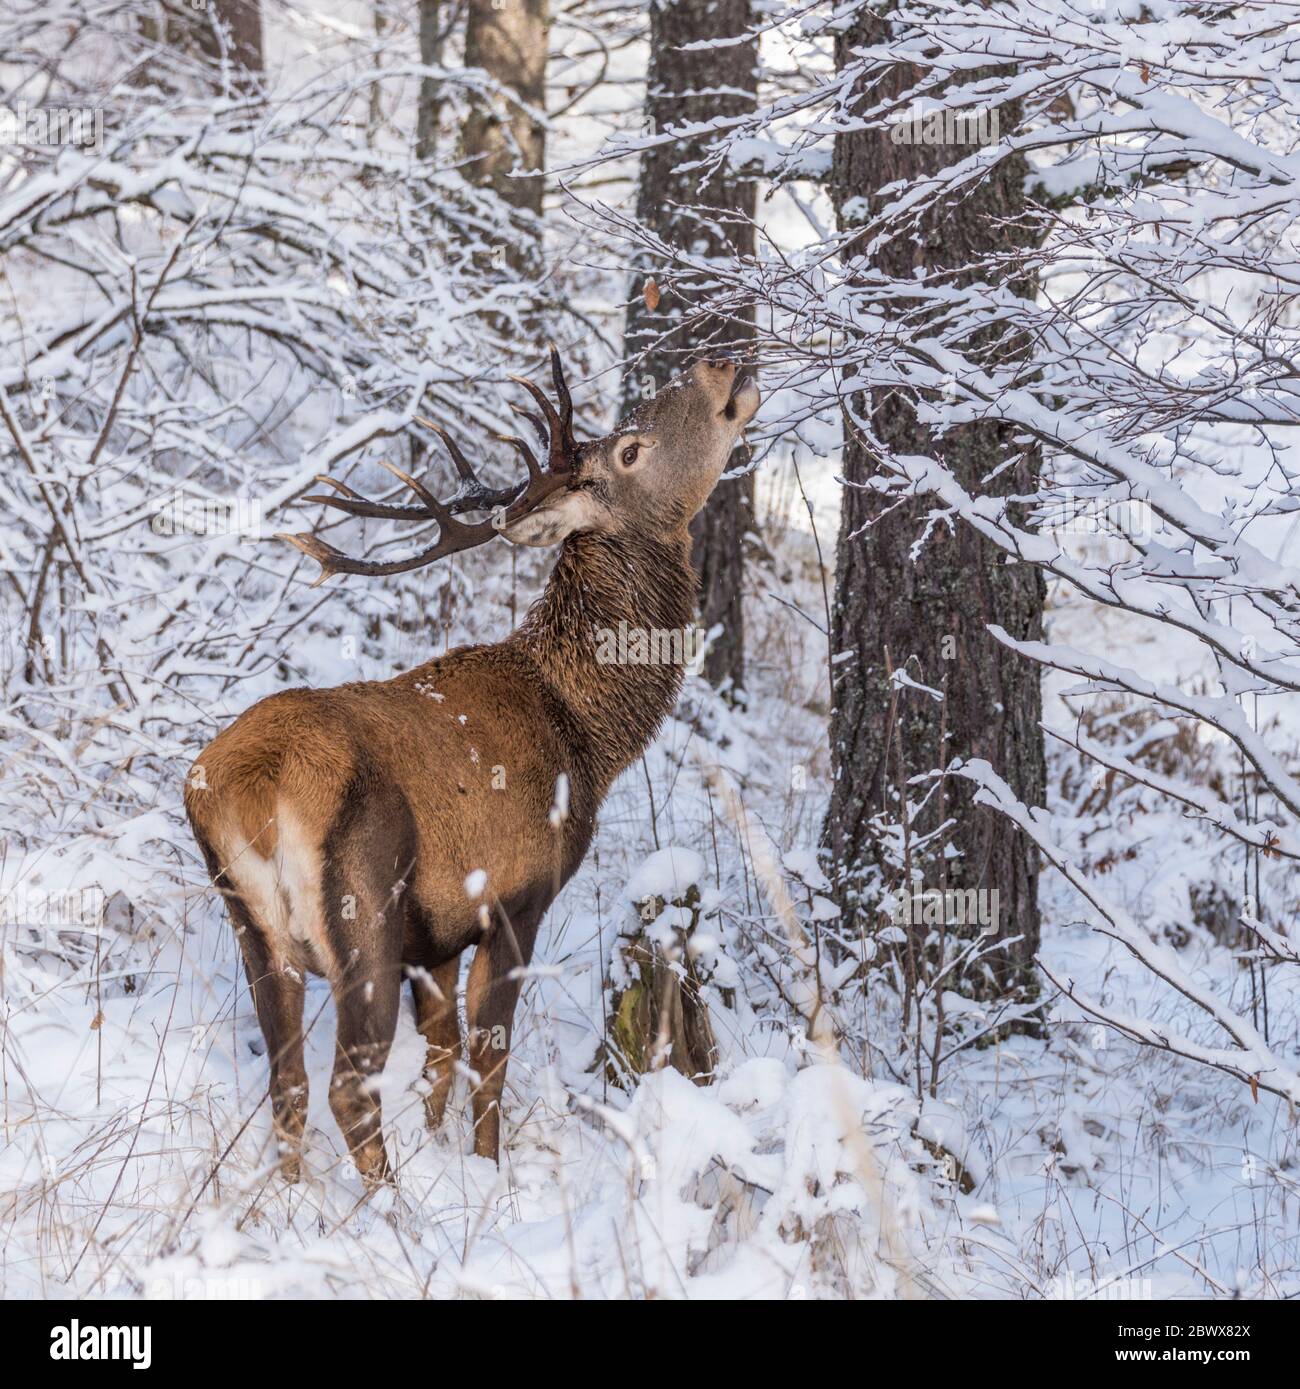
610, 636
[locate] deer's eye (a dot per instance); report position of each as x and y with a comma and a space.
629, 454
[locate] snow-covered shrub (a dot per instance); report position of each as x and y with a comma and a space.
204, 316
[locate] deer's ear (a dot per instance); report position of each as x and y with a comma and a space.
557, 517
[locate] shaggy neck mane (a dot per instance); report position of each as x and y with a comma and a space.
611, 711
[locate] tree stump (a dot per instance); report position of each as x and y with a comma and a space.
657, 1014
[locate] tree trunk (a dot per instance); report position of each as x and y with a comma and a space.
930, 614
375, 115
660, 1016
240, 36
430, 104
682, 87
508, 40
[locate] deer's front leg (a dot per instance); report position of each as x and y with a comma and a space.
491, 994
434, 992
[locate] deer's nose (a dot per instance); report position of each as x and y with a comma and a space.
715, 374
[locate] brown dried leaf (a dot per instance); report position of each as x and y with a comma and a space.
650, 293
98, 1021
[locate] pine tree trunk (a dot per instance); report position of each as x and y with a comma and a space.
240, 40
508, 40
429, 108
931, 614
683, 87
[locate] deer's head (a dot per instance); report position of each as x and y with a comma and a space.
649, 477
655, 471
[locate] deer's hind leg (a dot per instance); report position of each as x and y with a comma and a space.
368, 857
367, 995
278, 999
279, 996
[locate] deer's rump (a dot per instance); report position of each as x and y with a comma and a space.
332, 818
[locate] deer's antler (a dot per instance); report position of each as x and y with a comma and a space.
507, 504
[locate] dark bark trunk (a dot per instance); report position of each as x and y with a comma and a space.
233, 29
698, 86
225, 34
930, 614
430, 104
508, 40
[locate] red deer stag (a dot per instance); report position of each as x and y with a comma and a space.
351, 829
